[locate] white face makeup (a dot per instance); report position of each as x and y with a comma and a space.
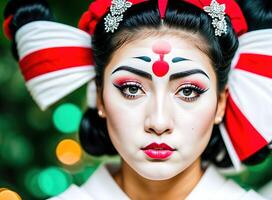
159, 117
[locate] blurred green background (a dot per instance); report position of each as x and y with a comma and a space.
29, 137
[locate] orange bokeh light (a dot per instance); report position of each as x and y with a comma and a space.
6, 194
68, 152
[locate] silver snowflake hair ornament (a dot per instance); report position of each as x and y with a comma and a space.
217, 13
113, 19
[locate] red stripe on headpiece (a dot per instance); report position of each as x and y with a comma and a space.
53, 59
245, 138
6, 28
256, 63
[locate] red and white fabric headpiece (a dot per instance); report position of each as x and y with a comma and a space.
55, 59
247, 127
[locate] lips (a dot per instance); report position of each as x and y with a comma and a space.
158, 151
157, 146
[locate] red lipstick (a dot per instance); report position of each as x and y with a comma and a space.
158, 151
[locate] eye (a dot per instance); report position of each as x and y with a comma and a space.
190, 92
131, 90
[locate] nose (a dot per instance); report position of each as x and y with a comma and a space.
159, 119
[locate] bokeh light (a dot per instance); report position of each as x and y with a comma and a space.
53, 181
68, 152
31, 183
15, 149
67, 118
6, 194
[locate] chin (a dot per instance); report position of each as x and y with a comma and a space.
159, 171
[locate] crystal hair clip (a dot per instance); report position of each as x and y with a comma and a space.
113, 19
217, 13
118, 7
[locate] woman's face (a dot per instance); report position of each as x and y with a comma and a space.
160, 103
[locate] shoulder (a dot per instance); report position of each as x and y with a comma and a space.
214, 186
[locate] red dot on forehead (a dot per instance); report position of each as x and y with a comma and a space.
161, 47
160, 68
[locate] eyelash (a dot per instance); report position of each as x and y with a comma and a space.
129, 85
199, 91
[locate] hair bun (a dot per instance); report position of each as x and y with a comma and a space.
94, 136
20, 12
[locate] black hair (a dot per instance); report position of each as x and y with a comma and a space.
23, 12
258, 14
92, 134
179, 16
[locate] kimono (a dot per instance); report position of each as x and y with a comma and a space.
102, 186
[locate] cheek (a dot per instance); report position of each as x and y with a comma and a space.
121, 122
196, 126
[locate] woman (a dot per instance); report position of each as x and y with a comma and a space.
161, 73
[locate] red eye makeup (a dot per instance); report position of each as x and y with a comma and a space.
190, 91
130, 88
123, 80
196, 83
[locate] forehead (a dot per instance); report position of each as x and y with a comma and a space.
174, 46
147, 44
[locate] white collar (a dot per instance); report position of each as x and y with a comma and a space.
209, 184
101, 185
212, 186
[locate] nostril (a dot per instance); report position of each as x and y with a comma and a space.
159, 120
151, 130
158, 132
